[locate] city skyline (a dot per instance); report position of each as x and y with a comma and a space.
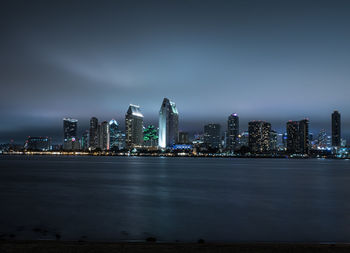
266, 60
57, 137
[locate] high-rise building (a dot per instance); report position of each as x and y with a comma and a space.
212, 136
104, 136
150, 136
336, 129
183, 138
93, 134
133, 127
298, 137
293, 137
304, 136
322, 139
84, 141
273, 140
70, 127
113, 133
244, 139
232, 132
259, 136
168, 124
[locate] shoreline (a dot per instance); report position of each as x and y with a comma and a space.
82, 154
7, 246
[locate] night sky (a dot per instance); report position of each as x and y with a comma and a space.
268, 60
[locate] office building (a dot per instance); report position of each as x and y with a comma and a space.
113, 133
104, 136
168, 124
133, 127
150, 136
336, 129
259, 136
93, 134
212, 136
298, 137
232, 132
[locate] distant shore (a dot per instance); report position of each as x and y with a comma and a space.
203, 155
14, 246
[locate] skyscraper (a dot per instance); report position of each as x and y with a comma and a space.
336, 129
212, 136
113, 133
93, 134
133, 127
298, 137
232, 132
304, 136
292, 137
259, 136
104, 136
168, 124
70, 127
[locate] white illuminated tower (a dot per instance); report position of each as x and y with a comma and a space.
168, 124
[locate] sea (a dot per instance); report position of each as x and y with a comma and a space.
173, 199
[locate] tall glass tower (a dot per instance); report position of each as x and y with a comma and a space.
232, 132
113, 133
70, 128
168, 124
133, 127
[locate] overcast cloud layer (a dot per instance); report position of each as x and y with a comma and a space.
268, 60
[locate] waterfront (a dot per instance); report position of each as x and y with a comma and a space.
184, 199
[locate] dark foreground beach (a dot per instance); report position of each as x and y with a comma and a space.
66, 246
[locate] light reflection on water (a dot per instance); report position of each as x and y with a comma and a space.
128, 198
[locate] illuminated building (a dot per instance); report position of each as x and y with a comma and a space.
93, 134
293, 137
168, 124
113, 133
244, 139
133, 127
336, 130
183, 138
273, 140
212, 136
259, 136
70, 127
304, 136
150, 136
232, 132
298, 137
38, 144
104, 136
84, 141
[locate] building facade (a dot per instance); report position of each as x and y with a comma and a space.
298, 137
168, 124
93, 134
133, 127
336, 129
259, 136
212, 136
232, 140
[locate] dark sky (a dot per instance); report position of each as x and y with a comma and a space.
268, 60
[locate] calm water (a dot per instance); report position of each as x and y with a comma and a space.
132, 198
